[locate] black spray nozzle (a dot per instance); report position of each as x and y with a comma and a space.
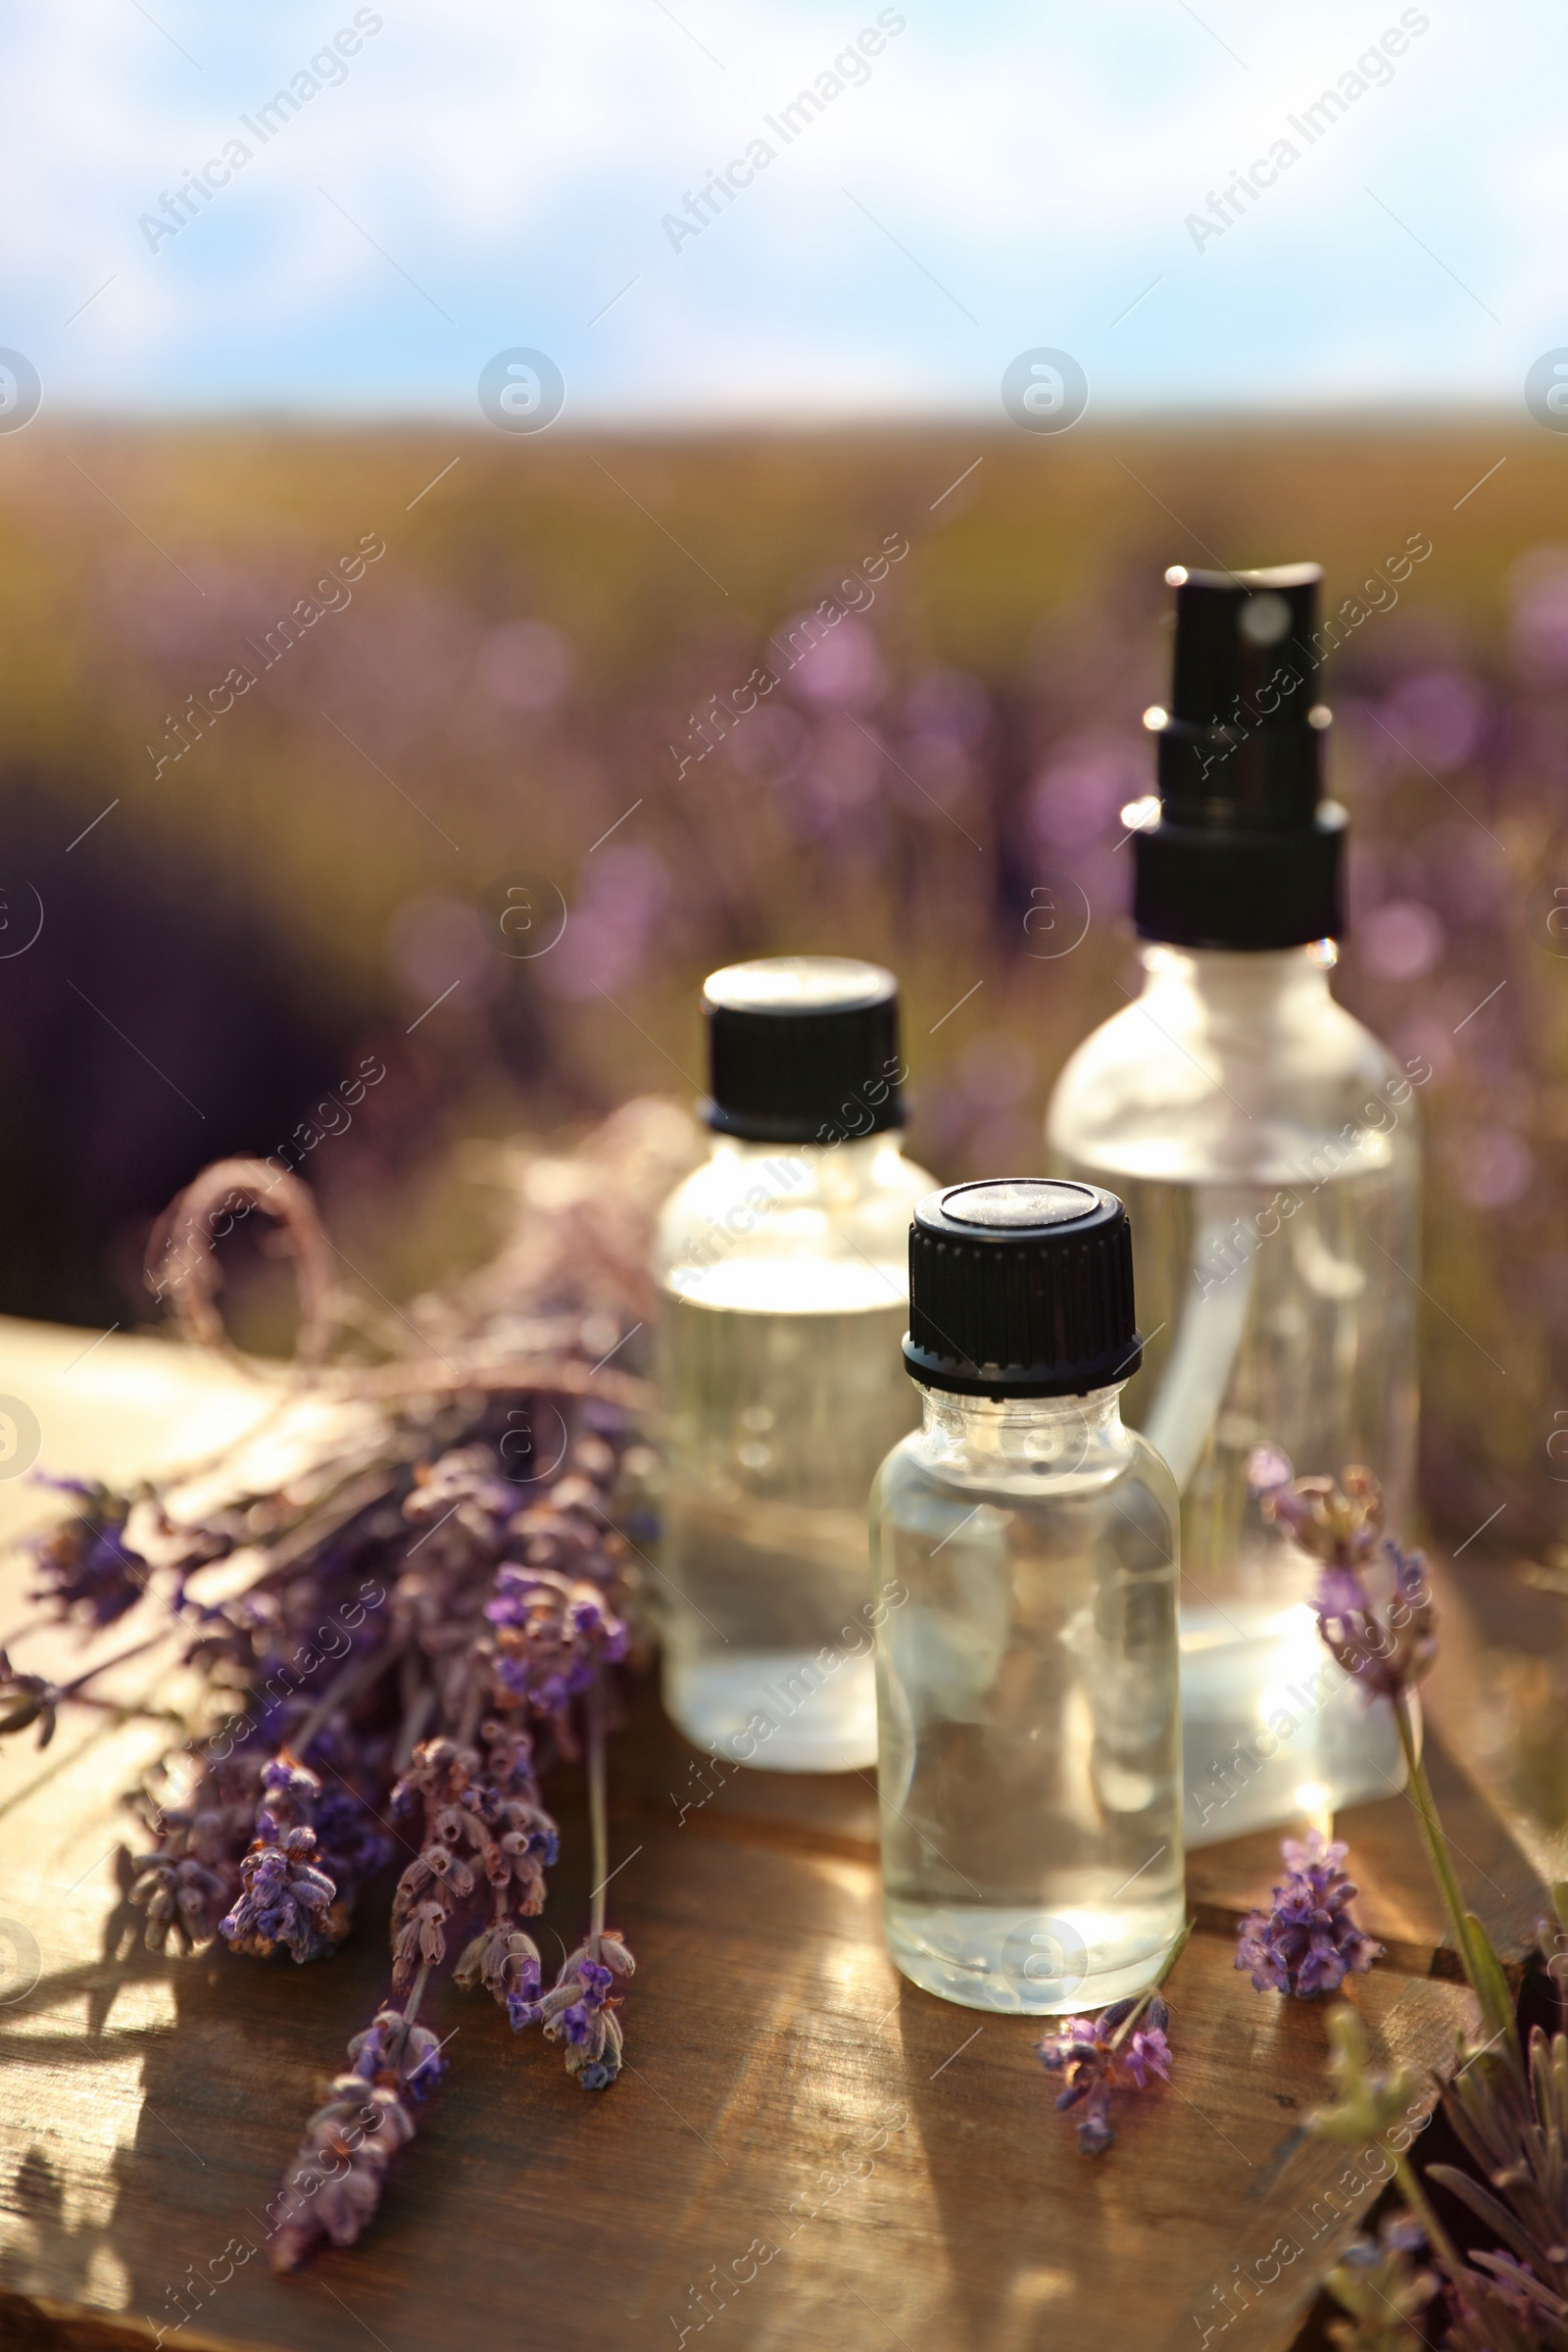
1238, 746
1246, 852
1236, 633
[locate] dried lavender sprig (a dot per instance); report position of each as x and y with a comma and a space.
334, 2185
184, 1264
580, 2007
90, 1573
488, 1806
482, 1813
432, 1669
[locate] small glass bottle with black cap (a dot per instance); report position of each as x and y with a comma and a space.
783, 1265
1027, 1704
1266, 1145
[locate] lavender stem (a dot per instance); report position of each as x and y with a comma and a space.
598, 1822
1437, 2236
1433, 1838
1150, 1990
416, 1994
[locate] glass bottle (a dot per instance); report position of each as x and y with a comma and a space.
1266, 1146
1024, 1553
783, 1264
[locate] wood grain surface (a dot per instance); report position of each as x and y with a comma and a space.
803, 2149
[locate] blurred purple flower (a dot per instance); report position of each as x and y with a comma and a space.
1079, 797
1493, 1167
839, 670
621, 896
1399, 940
334, 2185
1539, 584
87, 1568
948, 705
1437, 717
553, 1634
437, 944
1147, 2053
1388, 1649
526, 665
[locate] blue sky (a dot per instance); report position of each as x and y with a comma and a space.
493, 173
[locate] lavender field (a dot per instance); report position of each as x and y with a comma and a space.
290, 714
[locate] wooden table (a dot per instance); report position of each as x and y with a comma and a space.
803, 2149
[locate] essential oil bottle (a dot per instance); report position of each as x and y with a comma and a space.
1024, 1547
1266, 1145
782, 1260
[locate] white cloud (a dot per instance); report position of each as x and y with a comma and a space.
516, 167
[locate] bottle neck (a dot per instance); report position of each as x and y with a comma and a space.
1252, 983
1028, 1439
850, 1166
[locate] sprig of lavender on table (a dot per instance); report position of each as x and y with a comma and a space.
1510, 2111
1126, 2046
416, 1622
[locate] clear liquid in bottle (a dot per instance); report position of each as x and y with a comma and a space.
777, 1417
1031, 1732
1275, 1315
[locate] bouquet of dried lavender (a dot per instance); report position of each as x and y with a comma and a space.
1510, 2108
394, 1640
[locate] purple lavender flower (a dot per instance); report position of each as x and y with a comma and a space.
1388, 1649
580, 2010
182, 1899
290, 1794
189, 1881
1387, 1652
1148, 2053
334, 2185
553, 1635
297, 1670
491, 1807
463, 1492
1308, 1943
504, 1961
390, 2043
87, 1568
285, 1901
1089, 2053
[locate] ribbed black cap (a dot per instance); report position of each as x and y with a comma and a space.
1021, 1287
1245, 853
803, 1048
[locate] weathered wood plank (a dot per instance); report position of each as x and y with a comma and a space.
785, 2086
